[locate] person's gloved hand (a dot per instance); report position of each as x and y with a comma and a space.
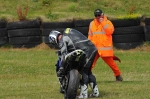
60, 71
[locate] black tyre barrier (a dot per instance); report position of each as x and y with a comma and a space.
128, 38
24, 32
25, 40
82, 23
83, 30
129, 30
53, 25
128, 34
3, 41
3, 32
147, 37
147, 33
126, 22
45, 32
24, 24
147, 21
127, 46
3, 24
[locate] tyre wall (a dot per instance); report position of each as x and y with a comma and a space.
3, 33
24, 33
128, 33
82, 26
147, 30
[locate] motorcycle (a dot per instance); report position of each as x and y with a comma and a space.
70, 80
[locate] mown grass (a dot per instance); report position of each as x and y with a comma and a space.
30, 74
65, 10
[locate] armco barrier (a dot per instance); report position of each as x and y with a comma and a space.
128, 33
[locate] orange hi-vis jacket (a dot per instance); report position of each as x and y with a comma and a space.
101, 35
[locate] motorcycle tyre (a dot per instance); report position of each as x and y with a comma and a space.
73, 84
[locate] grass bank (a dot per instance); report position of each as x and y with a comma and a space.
30, 74
65, 10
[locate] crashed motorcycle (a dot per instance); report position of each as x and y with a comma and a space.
70, 79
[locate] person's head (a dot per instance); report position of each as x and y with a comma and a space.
98, 14
54, 37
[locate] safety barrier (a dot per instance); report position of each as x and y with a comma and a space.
128, 33
3, 33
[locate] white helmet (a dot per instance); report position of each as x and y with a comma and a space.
53, 37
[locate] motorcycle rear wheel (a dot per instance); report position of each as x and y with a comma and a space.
73, 84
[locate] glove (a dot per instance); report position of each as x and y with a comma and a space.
60, 72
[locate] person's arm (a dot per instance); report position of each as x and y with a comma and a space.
63, 49
108, 27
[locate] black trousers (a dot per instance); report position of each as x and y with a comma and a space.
87, 75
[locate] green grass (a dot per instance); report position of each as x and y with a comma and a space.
30, 74
65, 10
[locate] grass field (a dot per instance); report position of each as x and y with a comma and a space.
30, 74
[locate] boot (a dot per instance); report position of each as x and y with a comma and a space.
61, 89
119, 78
95, 92
83, 92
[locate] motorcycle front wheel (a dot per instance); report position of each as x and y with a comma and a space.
73, 84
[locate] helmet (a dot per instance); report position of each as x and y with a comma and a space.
98, 12
53, 37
